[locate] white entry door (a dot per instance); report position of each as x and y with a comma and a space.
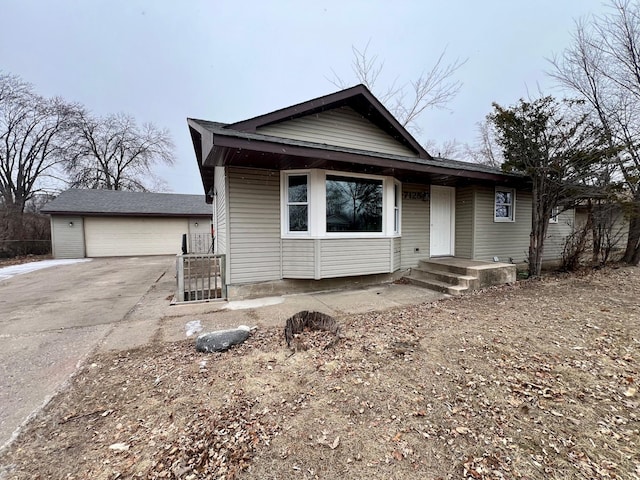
442, 231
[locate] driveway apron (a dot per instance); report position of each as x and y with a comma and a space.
52, 319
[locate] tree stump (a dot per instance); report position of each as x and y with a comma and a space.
309, 321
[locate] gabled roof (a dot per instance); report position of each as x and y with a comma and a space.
359, 98
124, 203
266, 142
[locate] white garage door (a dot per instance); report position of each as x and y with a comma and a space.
116, 237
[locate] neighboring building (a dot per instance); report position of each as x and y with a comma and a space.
336, 187
108, 223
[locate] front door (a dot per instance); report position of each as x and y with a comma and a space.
442, 236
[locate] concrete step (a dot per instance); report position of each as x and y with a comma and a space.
443, 267
437, 285
487, 273
468, 281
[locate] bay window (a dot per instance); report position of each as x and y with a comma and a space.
318, 203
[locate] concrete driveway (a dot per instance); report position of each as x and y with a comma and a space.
52, 319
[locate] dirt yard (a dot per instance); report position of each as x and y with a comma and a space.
532, 381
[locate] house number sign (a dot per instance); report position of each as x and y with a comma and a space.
424, 196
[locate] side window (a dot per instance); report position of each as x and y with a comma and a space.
504, 205
554, 215
298, 203
396, 208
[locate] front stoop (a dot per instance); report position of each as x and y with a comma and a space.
456, 275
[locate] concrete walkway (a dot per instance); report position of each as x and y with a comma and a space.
154, 319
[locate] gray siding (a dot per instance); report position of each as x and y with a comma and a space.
68, 242
342, 127
504, 240
415, 227
354, 256
299, 258
507, 240
396, 245
557, 234
254, 225
220, 185
464, 222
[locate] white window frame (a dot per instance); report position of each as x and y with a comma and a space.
512, 217
317, 205
397, 208
286, 203
555, 213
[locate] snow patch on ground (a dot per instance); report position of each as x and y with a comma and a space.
13, 270
256, 303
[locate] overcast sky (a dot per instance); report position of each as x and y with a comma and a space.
164, 61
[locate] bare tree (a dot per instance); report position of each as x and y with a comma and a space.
557, 148
445, 149
434, 88
603, 66
485, 150
115, 153
34, 139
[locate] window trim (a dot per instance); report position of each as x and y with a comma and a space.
555, 213
397, 208
317, 205
285, 203
512, 217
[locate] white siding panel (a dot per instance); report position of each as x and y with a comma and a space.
464, 222
342, 127
354, 256
504, 240
220, 186
68, 241
298, 258
415, 225
254, 249
133, 236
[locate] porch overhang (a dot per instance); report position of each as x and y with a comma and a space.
218, 148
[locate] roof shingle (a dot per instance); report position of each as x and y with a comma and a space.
117, 203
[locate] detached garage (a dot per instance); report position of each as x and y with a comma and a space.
106, 223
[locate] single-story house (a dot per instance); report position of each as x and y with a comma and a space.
107, 223
335, 187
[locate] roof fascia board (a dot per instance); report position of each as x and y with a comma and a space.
127, 214
298, 109
293, 150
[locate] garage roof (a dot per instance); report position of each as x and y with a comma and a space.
121, 203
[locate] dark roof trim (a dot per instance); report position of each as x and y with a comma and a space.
128, 214
126, 203
348, 96
227, 145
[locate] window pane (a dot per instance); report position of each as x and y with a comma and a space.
297, 188
353, 204
503, 211
503, 197
298, 218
